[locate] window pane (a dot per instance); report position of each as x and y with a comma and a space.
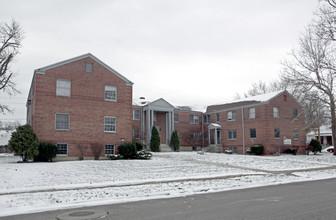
110, 93
110, 124
252, 113
275, 112
253, 133
296, 134
295, 113
136, 114
176, 118
109, 149
88, 67
229, 116
63, 87
276, 133
62, 121
62, 149
217, 117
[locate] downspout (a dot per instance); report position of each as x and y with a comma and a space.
242, 110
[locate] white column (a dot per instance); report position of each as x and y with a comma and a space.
169, 126
209, 136
148, 126
215, 136
172, 118
152, 119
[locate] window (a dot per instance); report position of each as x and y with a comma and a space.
276, 132
109, 149
194, 119
136, 134
295, 113
63, 87
62, 121
176, 118
136, 115
253, 133
217, 117
194, 136
110, 93
155, 116
232, 134
206, 119
62, 149
88, 67
231, 116
251, 112
109, 124
275, 112
296, 134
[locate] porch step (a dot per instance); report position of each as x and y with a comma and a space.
165, 148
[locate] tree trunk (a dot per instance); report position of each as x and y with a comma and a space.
333, 120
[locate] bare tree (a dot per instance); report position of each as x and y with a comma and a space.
312, 68
11, 36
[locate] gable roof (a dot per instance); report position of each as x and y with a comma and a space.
43, 69
248, 101
159, 104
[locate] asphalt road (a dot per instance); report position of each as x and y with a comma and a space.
304, 200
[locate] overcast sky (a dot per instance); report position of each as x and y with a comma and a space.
189, 52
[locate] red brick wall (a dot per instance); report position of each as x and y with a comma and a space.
86, 106
184, 127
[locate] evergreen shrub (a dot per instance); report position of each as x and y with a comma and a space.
257, 149
46, 152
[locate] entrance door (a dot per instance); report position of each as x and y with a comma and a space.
218, 136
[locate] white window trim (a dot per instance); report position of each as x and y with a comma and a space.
68, 122
114, 126
178, 119
232, 134
133, 115
254, 113
63, 155
277, 111
255, 133
194, 119
231, 118
64, 80
113, 149
116, 94
86, 67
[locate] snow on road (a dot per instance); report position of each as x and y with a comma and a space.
31, 187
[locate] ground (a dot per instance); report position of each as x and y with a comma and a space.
33, 187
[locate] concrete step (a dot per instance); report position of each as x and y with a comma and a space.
165, 148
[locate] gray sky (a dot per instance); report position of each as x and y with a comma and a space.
189, 52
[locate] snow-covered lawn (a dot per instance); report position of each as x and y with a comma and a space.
31, 187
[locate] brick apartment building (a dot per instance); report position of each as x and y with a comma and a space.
82, 101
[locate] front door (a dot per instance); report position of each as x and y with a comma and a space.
218, 136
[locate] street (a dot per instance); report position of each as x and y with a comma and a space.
303, 200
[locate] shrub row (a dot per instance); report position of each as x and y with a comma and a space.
131, 151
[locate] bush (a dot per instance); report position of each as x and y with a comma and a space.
315, 146
139, 146
128, 150
144, 155
291, 151
46, 152
96, 150
24, 143
155, 140
174, 142
257, 149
